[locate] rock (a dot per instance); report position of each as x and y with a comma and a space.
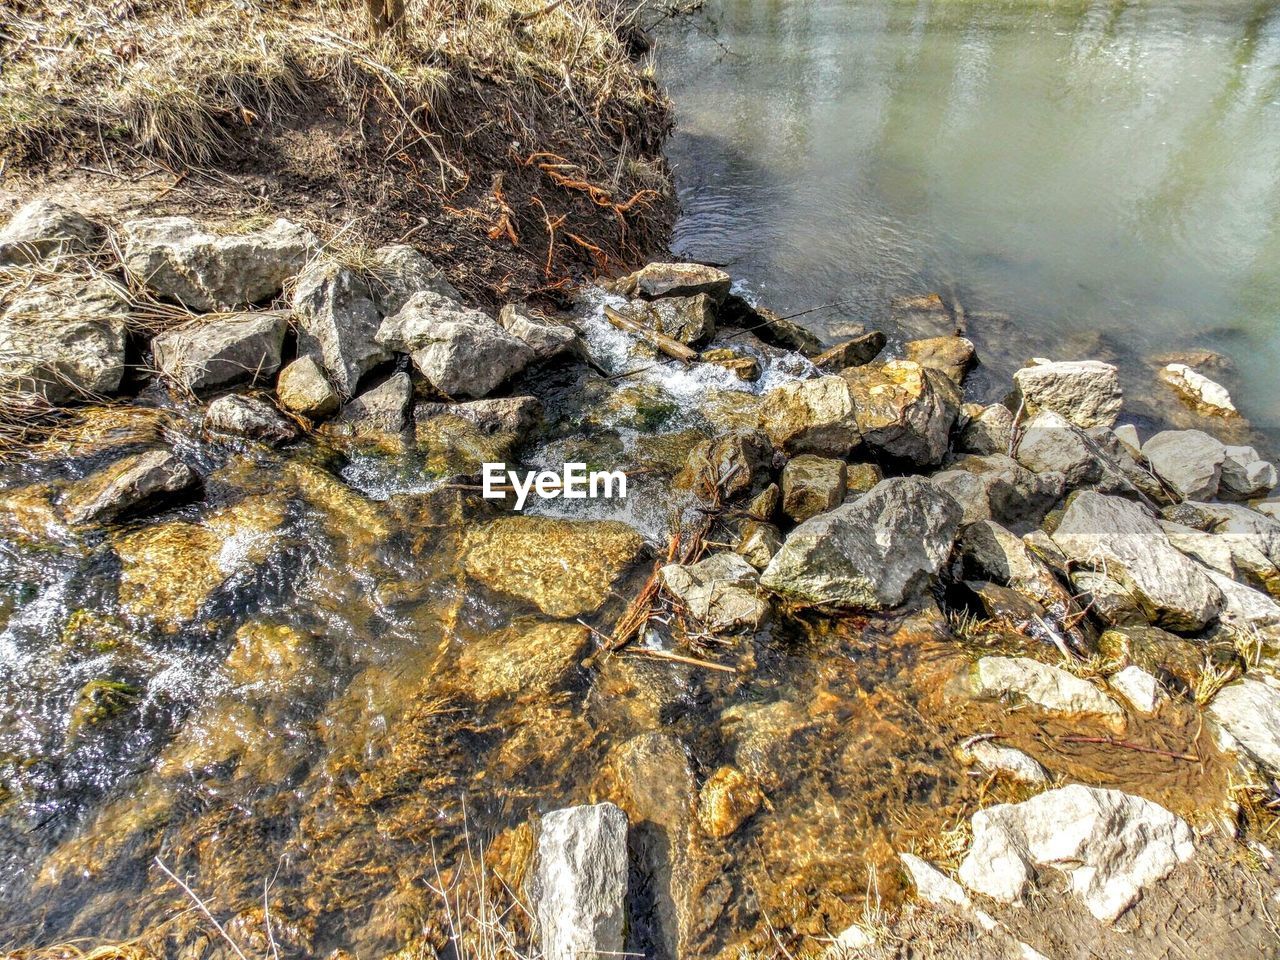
128, 486
566, 568
1246, 613
861, 477
997, 758
730, 466
544, 337
1127, 434
922, 316
811, 416
1140, 688
1120, 539
398, 272
338, 320
765, 504
950, 356
1107, 600
1189, 461
178, 259
1046, 686
989, 430
770, 328
462, 352
42, 229
727, 800
303, 388
719, 592
690, 320
1085, 392
64, 340
1112, 845
812, 485
1269, 508
515, 415
901, 411
1172, 660
248, 417
758, 542
765, 738
1203, 394
216, 353
998, 487
656, 280
1133, 474
873, 553
987, 551
1051, 444
1240, 556
526, 660
742, 366
381, 409
862, 349
1245, 474
581, 882
1229, 519
1248, 711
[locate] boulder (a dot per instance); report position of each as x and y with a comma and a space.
656, 280
1047, 686
128, 486
690, 320
994, 757
812, 485
514, 415
1248, 712
811, 416
42, 229
1229, 518
580, 882
566, 568
951, 356
1140, 688
462, 352
1122, 459
64, 340
988, 430
1245, 474
545, 337
1110, 844
380, 409
303, 388
998, 487
860, 350
1085, 392
1201, 393
215, 353
179, 260
1189, 461
398, 272
726, 801
874, 552
901, 410
248, 417
1121, 540
337, 320
1050, 443
1127, 434
766, 738
720, 592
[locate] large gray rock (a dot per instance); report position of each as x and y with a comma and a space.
1046, 686
248, 417
720, 592
1049, 443
398, 272
1229, 519
64, 340
179, 260
1245, 474
1110, 844
303, 388
903, 409
656, 280
997, 487
462, 352
337, 320
42, 229
811, 416
545, 337
1189, 461
380, 409
128, 486
1086, 392
580, 882
1202, 394
1248, 712
214, 353
872, 553
1121, 540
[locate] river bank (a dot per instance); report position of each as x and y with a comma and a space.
263, 630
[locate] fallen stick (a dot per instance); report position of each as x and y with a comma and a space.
672, 348
678, 658
1112, 742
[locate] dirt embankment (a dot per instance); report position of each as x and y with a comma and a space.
516, 142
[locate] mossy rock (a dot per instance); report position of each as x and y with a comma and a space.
98, 702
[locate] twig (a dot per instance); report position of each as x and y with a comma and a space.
203, 909
678, 658
1113, 742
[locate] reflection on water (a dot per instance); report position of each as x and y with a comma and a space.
1084, 167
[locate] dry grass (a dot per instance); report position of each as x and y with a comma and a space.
81, 950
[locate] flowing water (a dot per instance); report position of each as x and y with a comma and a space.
1103, 176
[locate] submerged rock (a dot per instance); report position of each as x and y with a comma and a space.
901, 410
526, 660
515, 415
580, 882
131, 485
42, 229
248, 417
996, 758
727, 800
179, 260
461, 351
812, 485
1248, 711
215, 353
719, 592
337, 320
922, 315
691, 320
1199, 391
873, 553
656, 280
1110, 844
1085, 392
303, 388
1189, 461
950, 356
566, 568
1045, 685
812, 416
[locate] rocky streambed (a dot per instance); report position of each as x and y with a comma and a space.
856, 667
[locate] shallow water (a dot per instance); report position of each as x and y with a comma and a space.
1106, 174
